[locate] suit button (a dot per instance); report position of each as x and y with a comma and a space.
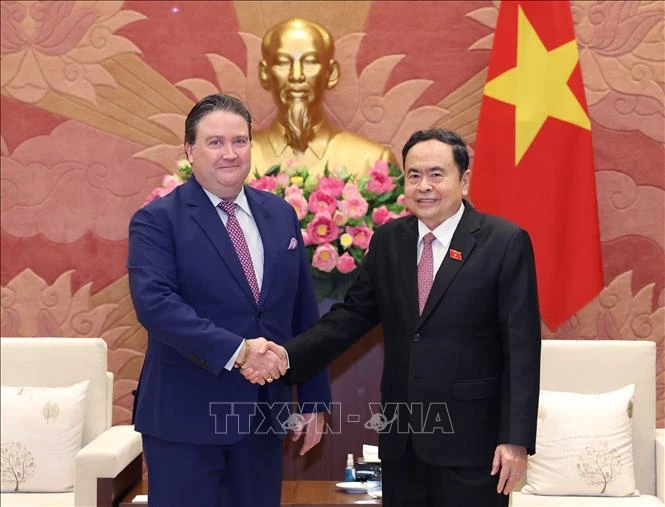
260, 315
416, 337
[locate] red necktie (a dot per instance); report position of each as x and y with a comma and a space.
239, 243
425, 271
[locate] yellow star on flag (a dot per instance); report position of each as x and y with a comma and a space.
538, 86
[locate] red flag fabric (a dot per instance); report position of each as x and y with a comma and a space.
533, 160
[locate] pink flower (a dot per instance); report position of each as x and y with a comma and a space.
380, 182
154, 194
354, 207
299, 204
168, 184
401, 200
171, 181
322, 229
331, 186
305, 237
319, 202
282, 180
350, 190
346, 263
293, 189
340, 218
325, 258
267, 183
361, 236
380, 215
380, 165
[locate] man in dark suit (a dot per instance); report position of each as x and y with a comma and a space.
456, 293
212, 266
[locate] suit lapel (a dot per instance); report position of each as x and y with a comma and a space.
464, 242
205, 214
269, 238
408, 265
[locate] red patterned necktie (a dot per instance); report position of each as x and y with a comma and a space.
425, 271
240, 244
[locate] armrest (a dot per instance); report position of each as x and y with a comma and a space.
660, 464
106, 456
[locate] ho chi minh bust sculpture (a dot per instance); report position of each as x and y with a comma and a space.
297, 67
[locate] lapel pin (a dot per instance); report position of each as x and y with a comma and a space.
455, 254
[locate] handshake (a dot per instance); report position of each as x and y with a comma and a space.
262, 361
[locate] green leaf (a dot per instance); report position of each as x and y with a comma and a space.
332, 285
383, 198
185, 172
273, 171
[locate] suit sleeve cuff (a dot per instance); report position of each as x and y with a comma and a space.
232, 361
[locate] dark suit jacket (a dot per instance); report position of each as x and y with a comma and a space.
191, 294
469, 366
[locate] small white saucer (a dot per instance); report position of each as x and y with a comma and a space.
357, 487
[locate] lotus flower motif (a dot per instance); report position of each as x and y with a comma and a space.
58, 46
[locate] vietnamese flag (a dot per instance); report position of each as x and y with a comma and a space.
534, 159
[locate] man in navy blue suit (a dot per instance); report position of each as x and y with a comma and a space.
212, 266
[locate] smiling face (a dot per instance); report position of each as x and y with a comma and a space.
432, 184
221, 153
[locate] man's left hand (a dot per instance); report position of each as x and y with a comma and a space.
510, 460
313, 430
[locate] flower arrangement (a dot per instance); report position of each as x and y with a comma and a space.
337, 211
170, 181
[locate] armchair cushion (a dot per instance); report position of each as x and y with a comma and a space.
41, 432
106, 456
584, 444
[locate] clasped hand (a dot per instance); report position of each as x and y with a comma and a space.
263, 361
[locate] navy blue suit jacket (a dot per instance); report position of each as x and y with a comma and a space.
191, 294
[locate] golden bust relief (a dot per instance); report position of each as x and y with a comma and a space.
298, 66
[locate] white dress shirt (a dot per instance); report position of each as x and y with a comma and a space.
252, 238
443, 234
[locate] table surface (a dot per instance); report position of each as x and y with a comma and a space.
294, 493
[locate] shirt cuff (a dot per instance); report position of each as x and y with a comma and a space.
288, 362
232, 361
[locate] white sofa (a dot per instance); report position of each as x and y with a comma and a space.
110, 461
595, 366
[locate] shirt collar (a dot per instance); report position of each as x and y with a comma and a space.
444, 232
240, 200
323, 132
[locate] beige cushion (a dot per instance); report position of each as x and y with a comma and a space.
584, 444
62, 362
520, 500
597, 366
37, 500
40, 434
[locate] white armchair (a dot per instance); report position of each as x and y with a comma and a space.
110, 460
595, 366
